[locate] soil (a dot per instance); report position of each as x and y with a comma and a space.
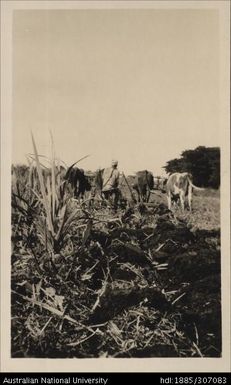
150, 281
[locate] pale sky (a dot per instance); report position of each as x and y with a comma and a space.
140, 86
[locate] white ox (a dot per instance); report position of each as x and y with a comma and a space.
180, 185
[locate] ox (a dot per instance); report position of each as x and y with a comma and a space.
179, 185
78, 181
144, 183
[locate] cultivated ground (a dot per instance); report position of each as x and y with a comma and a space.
205, 207
143, 282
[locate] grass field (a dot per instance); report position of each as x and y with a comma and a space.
205, 207
87, 282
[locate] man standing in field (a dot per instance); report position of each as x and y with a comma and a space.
111, 184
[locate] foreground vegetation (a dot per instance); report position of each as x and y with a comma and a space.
143, 282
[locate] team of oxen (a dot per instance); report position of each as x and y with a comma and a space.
178, 187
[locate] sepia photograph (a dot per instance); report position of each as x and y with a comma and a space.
118, 160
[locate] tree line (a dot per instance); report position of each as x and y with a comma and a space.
202, 162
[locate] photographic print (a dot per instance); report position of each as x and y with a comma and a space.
118, 158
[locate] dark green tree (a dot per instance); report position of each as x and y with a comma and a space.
202, 162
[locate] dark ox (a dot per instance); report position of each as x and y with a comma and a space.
143, 184
179, 185
98, 181
78, 181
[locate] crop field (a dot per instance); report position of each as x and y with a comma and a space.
88, 283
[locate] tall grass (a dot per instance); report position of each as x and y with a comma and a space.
56, 218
